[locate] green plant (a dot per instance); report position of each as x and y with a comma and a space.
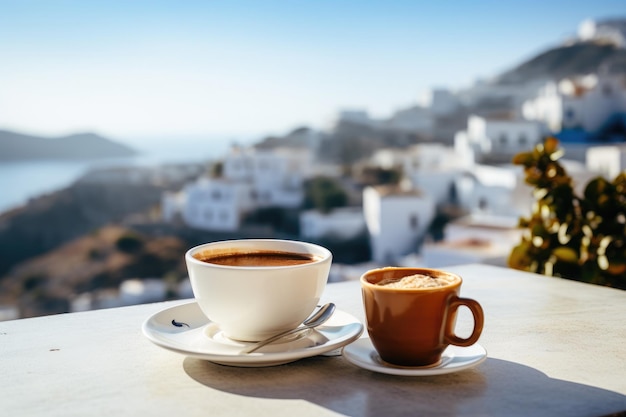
129, 243
217, 170
570, 236
325, 194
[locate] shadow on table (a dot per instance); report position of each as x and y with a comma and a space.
496, 387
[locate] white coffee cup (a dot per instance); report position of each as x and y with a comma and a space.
251, 303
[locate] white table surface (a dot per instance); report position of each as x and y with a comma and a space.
555, 348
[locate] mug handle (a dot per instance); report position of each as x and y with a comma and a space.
479, 320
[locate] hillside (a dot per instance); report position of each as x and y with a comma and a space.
16, 146
575, 59
51, 220
100, 259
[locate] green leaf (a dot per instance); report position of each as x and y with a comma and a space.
565, 254
519, 257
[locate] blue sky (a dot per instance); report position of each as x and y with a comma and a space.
138, 70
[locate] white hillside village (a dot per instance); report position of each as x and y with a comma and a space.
467, 169
434, 174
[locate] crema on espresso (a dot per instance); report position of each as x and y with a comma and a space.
418, 281
260, 258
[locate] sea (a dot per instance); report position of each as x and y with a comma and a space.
21, 181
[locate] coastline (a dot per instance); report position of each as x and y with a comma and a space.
21, 181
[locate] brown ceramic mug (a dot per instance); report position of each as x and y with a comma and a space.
412, 326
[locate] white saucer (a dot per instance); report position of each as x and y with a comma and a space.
185, 329
362, 354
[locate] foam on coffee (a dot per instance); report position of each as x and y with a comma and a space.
418, 281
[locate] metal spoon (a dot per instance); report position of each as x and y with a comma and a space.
314, 320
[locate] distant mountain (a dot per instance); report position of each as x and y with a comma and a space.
16, 146
580, 58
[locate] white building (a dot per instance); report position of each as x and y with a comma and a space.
502, 191
397, 220
420, 118
585, 102
433, 168
498, 137
608, 161
609, 30
474, 239
141, 291
172, 204
430, 167
212, 203
497, 99
9, 313
494, 190
250, 179
450, 177
130, 292
276, 175
341, 223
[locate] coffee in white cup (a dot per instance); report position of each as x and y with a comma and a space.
256, 288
